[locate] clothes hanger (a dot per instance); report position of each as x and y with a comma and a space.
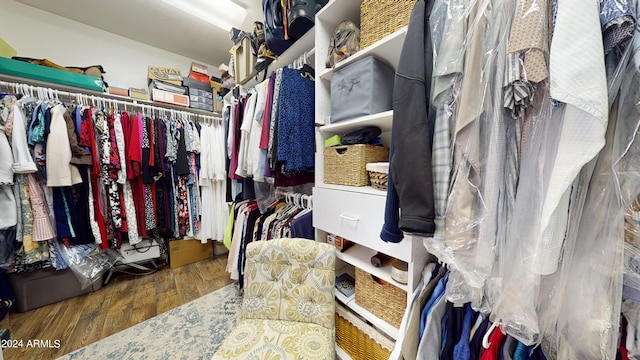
305, 206
305, 69
308, 204
485, 338
293, 208
308, 199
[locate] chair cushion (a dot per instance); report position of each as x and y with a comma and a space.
290, 279
277, 339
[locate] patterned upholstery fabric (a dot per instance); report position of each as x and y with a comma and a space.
288, 308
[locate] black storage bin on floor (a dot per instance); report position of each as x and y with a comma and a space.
362, 88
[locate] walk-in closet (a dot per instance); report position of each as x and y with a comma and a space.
320, 179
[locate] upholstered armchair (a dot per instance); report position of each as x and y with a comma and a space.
288, 306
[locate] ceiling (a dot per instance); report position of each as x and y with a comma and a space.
155, 23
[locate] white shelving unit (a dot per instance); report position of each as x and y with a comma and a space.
386, 49
357, 189
357, 213
340, 354
382, 120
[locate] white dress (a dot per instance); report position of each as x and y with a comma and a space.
214, 208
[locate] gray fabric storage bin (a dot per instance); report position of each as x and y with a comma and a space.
362, 88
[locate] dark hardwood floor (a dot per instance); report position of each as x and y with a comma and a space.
124, 302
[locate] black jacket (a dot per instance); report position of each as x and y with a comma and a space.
410, 175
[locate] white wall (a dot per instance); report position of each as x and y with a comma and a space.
38, 34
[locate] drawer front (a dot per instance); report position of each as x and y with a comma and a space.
357, 217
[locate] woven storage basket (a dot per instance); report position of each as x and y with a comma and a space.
385, 301
346, 165
379, 18
378, 175
359, 339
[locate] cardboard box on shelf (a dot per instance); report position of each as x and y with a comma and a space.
165, 86
199, 68
199, 77
6, 50
216, 85
118, 90
170, 98
188, 251
142, 94
171, 75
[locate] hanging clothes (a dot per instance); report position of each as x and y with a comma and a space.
247, 224
213, 183
296, 123
22, 161
42, 229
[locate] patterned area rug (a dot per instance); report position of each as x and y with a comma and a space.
194, 330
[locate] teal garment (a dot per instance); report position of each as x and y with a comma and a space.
37, 135
67, 210
523, 352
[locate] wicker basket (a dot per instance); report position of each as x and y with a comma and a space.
385, 301
359, 339
378, 175
379, 18
346, 165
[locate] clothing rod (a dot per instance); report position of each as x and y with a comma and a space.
295, 198
62, 91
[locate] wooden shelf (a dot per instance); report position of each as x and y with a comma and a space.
382, 120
